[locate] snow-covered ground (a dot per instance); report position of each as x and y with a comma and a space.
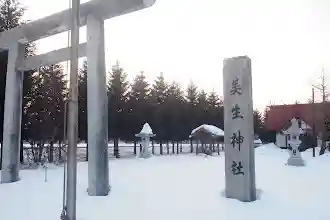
178, 187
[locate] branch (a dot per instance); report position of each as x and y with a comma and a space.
319, 86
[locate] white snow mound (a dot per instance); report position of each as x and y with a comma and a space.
146, 129
257, 141
210, 129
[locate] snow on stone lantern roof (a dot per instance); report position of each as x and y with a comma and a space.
146, 131
294, 128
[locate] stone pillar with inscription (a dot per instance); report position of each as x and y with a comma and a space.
238, 128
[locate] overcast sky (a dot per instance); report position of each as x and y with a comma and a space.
287, 40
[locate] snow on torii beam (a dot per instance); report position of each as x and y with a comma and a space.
61, 22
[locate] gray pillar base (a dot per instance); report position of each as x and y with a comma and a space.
258, 196
100, 192
145, 155
296, 161
9, 176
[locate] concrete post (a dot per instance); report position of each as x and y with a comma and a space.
145, 147
13, 115
98, 169
72, 129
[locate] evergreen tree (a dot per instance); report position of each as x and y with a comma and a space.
192, 94
159, 93
11, 13
45, 111
118, 94
189, 117
173, 113
267, 135
139, 103
82, 103
213, 100
202, 99
28, 79
202, 107
258, 123
175, 92
215, 111
159, 90
140, 88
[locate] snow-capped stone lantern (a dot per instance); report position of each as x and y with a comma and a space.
145, 135
294, 132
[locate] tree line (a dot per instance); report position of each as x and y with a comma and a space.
171, 111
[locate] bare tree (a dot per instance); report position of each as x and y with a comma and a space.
312, 101
324, 89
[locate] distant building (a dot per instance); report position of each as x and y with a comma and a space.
278, 118
283, 137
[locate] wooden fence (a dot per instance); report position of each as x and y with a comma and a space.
56, 153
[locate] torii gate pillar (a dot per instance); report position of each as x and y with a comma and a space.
13, 115
97, 104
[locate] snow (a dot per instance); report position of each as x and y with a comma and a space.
305, 126
180, 187
294, 129
209, 128
146, 130
257, 141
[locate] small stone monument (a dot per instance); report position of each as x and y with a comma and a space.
294, 132
145, 135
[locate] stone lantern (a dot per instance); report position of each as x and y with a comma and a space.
294, 132
145, 135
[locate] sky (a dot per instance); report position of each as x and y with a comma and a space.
288, 42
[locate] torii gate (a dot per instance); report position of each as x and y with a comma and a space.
92, 14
